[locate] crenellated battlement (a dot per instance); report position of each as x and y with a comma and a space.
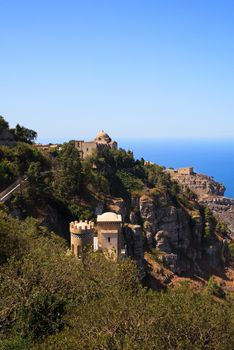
79, 227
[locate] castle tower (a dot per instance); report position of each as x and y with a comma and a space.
82, 233
109, 227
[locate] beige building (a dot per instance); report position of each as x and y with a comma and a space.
82, 233
180, 171
109, 236
185, 171
109, 228
102, 139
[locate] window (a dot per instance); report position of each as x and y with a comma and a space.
72, 248
87, 149
108, 239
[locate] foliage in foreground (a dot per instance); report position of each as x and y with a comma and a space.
50, 300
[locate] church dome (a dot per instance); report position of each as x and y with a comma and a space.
102, 136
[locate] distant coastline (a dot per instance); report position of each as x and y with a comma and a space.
210, 157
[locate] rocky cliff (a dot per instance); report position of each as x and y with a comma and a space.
170, 231
210, 193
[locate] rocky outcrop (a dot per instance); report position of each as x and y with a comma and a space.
116, 205
134, 241
204, 186
173, 232
210, 193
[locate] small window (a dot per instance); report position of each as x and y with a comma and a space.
87, 149
72, 248
109, 239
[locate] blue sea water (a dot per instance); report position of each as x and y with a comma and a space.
210, 157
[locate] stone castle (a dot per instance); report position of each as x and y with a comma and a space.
107, 236
116, 239
87, 148
181, 171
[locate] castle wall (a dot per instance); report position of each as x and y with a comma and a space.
89, 148
85, 148
185, 171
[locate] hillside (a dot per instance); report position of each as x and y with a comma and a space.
50, 300
174, 223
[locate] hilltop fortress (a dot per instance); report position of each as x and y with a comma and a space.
102, 140
181, 171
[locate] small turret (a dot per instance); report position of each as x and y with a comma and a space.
82, 233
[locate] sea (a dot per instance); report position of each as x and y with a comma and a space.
214, 158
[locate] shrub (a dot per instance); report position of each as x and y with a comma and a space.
214, 288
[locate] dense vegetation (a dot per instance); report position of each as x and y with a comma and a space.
50, 300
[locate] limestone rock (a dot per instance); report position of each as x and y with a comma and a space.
134, 241
117, 205
162, 241
133, 218
210, 193
170, 260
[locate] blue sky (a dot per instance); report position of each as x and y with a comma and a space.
138, 69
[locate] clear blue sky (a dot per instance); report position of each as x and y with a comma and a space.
139, 69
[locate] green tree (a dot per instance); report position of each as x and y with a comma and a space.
23, 134
3, 124
68, 175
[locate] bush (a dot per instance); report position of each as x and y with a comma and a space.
214, 288
130, 183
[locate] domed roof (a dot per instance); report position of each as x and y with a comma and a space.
109, 217
102, 136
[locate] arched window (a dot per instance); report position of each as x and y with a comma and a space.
72, 248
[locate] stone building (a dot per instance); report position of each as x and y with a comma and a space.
110, 234
48, 147
82, 233
87, 148
185, 171
109, 237
180, 171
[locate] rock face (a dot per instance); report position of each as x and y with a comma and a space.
175, 232
210, 193
169, 229
204, 186
116, 205
134, 241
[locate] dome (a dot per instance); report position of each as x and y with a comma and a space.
102, 136
109, 217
